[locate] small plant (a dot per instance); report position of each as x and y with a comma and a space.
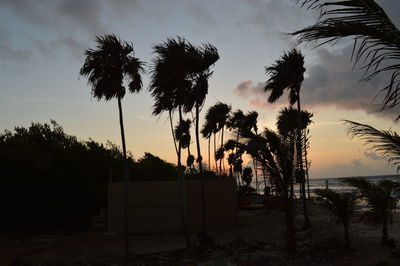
341, 204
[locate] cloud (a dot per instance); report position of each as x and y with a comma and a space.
330, 81
10, 55
202, 16
374, 156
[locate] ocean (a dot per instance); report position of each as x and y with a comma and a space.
332, 183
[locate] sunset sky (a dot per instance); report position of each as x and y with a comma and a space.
42, 47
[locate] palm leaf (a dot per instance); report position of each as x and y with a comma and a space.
384, 142
376, 39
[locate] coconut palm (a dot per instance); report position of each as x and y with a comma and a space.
201, 59
385, 142
380, 198
276, 155
169, 86
287, 74
342, 205
377, 39
111, 69
182, 134
207, 132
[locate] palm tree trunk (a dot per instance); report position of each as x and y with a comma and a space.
126, 177
222, 144
203, 199
307, 223
172, 130
181, 181
199, 158
215, 150
255, 172
209, 153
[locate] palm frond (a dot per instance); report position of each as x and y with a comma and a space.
386, 143
376, 39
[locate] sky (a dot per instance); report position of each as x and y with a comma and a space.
42, 48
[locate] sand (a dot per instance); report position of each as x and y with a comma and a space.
258, 240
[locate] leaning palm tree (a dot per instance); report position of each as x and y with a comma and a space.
380, 199
169, 86
108, 67
287, 74
376, 38
276, 155
342, 205
201, 60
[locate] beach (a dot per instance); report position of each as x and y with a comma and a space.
259, 239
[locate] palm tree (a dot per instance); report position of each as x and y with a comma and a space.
287, 73
380, 198
107, 67
341, 204
216, 120
250, 123
377, 39
222, 110
206, 132
201, 60
169, 86
384, 142
276, 155
182, 134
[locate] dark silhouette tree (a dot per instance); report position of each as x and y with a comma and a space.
169, 86
247, 176
381, 199
287, 73
108, 67
201, 59
275, 154
376, 38
342, 205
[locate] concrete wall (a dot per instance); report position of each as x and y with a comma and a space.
153, 207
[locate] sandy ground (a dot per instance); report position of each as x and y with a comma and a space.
258, 240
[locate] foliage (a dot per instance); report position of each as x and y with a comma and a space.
385, 142
52, 181
376, 39
247, 175
381, 198
341, 204
109, 65
287, 73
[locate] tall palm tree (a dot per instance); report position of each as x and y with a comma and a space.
342, 205
380, 198
287, 73
201, 58
206, 132
169, 86
377, 39
108, 67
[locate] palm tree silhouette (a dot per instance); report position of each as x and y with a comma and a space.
216, 120
275, 154
201, 59
107, 67
182, 134
377, 39
287, 73
380, 198
342, 205
169, 86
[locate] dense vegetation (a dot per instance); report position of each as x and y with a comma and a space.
51, 180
